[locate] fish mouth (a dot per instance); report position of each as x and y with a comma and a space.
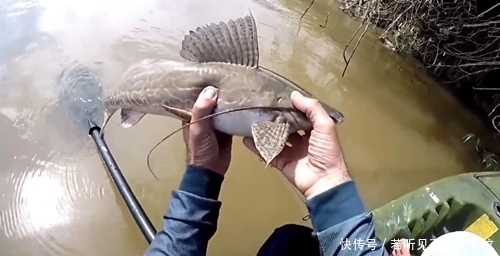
334, 114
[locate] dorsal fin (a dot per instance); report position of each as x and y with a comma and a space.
233, 42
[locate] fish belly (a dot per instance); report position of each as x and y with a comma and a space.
240, 123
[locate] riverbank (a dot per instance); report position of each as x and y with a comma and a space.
456, 41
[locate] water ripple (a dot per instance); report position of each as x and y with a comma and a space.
45, 198
50, 179
39, 203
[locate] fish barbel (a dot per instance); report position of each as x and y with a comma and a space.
255, 101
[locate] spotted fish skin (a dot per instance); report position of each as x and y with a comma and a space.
225, 56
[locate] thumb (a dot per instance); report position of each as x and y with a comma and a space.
312, 108
206, 102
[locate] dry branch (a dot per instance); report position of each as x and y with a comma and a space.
456, 42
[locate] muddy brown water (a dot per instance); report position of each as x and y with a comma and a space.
401, 130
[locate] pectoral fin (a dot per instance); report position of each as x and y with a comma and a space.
107, 116
130, 118
178, 113
270, 138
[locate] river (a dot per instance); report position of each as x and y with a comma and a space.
401, 129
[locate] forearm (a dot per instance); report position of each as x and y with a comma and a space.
191, 219
341, 223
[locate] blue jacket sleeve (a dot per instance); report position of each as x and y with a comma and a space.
191, 219
342, 225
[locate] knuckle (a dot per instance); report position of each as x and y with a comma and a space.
315, 102
198, 105
199, 111
324, 123
202, 108
195, 130
196, 110
314, 105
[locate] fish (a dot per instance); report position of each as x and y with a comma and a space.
252, 101
80, 97
77, 105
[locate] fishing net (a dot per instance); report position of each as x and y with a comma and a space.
458, 41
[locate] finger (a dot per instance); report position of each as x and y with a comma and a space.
296, 139
185, 131
223, 139
405, 247
318, 116
248, 142
225, 142
206, 102
185, 136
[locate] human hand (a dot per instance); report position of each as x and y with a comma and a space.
205, 147
401, 248
314, 163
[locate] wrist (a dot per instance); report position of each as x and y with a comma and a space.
201, 182
207, 168
334, 179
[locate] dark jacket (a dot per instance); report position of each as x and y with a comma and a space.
342, 225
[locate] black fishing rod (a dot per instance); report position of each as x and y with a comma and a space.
128, 196
80, 101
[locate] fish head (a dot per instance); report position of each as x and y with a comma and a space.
284, 101
80, 98
285, 108
334, 114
